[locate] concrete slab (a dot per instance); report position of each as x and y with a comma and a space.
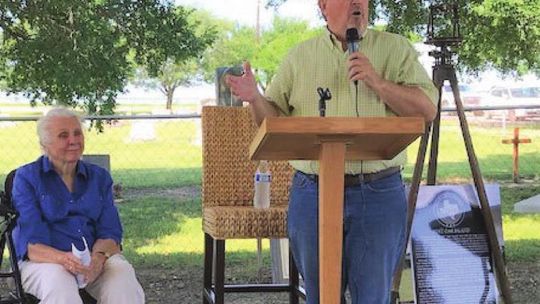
530, 205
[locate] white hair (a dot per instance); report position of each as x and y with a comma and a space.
43, 129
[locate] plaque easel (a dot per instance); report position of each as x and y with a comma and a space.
444, 70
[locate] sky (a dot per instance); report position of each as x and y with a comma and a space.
245, 11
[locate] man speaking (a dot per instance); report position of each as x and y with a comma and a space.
371, 74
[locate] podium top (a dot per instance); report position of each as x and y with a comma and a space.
366, 138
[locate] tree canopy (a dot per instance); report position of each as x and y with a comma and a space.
276, 43
173, 73
500, 34
234, 45
265, 53
73, 52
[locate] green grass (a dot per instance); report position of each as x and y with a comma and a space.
156, 228
495, 158
172, 159
161, 232
168, 232
521, 231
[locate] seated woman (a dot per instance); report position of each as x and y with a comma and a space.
62, 201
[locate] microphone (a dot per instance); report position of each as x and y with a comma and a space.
353, 42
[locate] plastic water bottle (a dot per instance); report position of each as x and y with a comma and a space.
262, 180
85, 258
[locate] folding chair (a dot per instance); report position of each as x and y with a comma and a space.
227, 195
8, 218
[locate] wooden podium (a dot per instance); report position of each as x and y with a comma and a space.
332, 140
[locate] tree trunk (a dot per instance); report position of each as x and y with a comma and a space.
170, 94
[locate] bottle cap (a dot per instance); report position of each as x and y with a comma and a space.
263, 166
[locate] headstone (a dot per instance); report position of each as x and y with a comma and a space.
530, 205
142, 130
102, 160
450, 252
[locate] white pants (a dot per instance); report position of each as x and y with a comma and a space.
53, 284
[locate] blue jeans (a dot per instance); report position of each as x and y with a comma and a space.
374, 223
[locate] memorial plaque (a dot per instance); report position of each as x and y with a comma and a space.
450, 254
223, 92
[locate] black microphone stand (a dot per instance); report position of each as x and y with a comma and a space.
324, 95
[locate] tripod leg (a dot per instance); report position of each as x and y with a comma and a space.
501, 277
434, 151
438, 78
413, 195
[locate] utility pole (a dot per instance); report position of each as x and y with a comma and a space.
258, 24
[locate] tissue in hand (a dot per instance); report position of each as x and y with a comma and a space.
85, 258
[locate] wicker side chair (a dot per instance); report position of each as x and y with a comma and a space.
227, 194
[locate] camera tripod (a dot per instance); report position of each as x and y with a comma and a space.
443, 69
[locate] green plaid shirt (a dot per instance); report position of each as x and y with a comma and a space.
321, 62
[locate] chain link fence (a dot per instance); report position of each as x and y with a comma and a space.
165, 151
144, 151
157, 162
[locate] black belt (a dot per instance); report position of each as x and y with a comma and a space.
356, 179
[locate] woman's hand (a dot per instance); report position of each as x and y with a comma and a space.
96, 267
71, 263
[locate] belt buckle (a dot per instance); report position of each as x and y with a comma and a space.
353, 180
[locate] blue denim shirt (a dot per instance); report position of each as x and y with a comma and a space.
50, 214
